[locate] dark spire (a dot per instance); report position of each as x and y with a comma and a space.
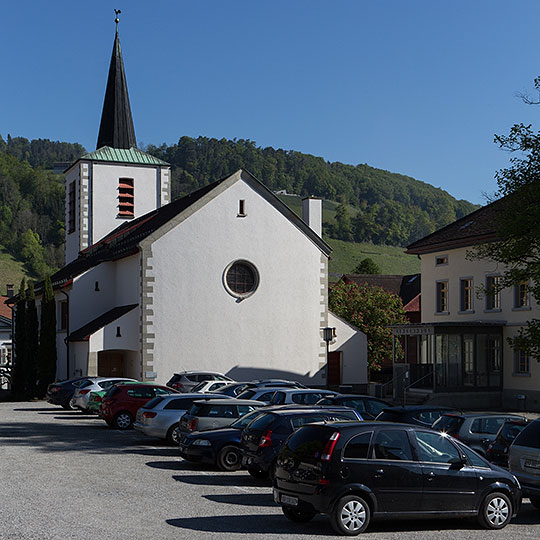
116, 128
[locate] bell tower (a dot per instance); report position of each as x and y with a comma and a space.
116, 182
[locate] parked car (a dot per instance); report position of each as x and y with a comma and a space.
96, 397
61, 392
122, 401
497, 450
185, 381
277, 383
421, 415
209, 386
219, 446
159, 417
300, 396
81, 395
475, 429
205, 415
358, 471
233, 389
369, 407
263, 393
524, 461
262, 438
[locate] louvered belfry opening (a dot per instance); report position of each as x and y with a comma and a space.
126, 198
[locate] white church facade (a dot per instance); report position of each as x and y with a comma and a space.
226, 279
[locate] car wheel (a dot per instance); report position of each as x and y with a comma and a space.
229, 459
69, 405
298, 516
350, 515
535, 501
123, 420
173, 436
495, 511
258, 474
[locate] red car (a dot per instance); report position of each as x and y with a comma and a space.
121, 403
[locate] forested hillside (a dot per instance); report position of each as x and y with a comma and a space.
377, 206
372, 205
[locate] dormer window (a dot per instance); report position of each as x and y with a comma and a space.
126, 198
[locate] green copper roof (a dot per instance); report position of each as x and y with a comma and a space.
123, 155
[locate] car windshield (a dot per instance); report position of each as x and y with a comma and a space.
197, 387
247, 394
241, 423
448, 423
307, 444
152, 403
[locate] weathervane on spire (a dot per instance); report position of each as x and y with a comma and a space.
117, 20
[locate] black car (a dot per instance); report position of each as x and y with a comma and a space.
220, 446
262, 438
61, 392
420, 415
357, 471
497, 451
369, 407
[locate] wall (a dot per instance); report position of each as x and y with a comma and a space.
199, 325
353, 344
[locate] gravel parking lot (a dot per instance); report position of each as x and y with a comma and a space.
68, 476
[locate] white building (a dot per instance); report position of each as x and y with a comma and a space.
226, 279
462, 338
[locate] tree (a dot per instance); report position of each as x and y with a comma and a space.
372, 310
47, 339
343, 229
517, 223
367, 266
19, 366
32, 342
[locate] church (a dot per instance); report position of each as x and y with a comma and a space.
226, 279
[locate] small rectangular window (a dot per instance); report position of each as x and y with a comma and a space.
522, 294
241, 208
521, 362
71, 208
439, 261
442, 297
493, 293
126, 198
466, 286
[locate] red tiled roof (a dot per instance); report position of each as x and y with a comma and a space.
5, 310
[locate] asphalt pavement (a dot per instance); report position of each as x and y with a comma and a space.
66, 475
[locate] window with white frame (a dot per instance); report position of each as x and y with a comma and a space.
466, 293
521, 295
442, 297
493, 293
521, 362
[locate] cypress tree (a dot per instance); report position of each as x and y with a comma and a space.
47, 339
32, 342
19, 365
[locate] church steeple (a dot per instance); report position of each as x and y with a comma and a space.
116, 128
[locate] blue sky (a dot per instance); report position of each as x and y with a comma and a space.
416, 87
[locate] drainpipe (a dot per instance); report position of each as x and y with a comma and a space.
66, 340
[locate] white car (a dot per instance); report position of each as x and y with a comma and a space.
209, 386
263, 393
300, 396
95, 384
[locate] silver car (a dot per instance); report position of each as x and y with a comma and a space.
300, 396
524, 461
160, 416
95, 384
217, 413
184, 381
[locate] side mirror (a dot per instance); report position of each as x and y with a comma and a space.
458, 462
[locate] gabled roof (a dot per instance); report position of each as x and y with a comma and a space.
124, 240
116, 129
475, 228
406, 287
84, 332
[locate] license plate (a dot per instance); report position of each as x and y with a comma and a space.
291, 501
